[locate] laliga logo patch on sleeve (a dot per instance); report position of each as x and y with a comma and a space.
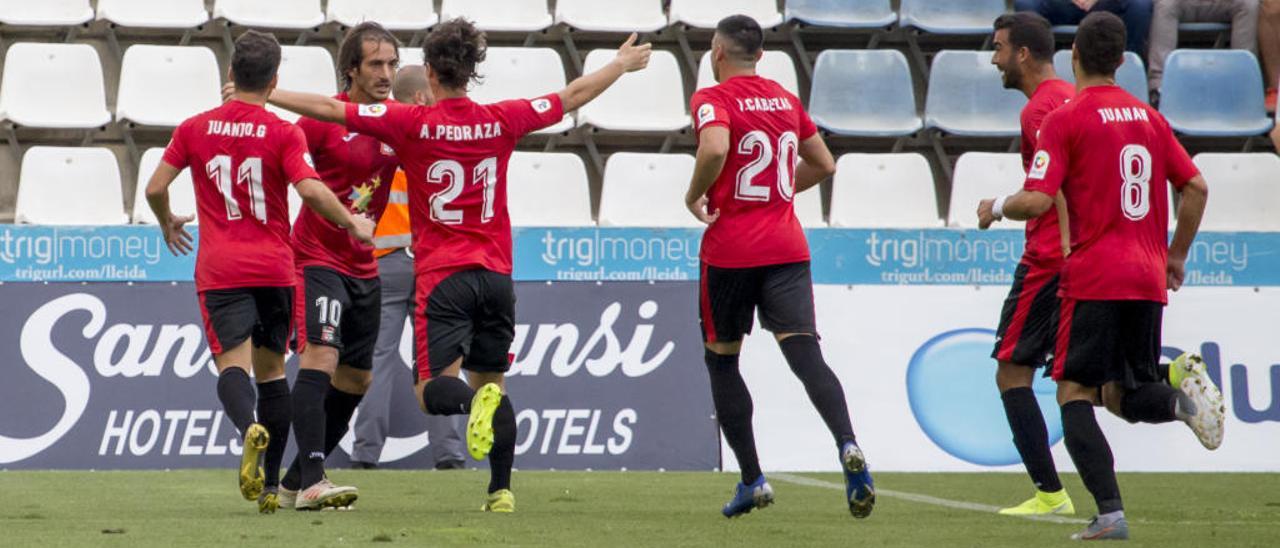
706, 113
372, 111
1039, 165
540, 106
306, 157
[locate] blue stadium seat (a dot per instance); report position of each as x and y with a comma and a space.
951, 16
849, 14
966, 97
1213, 93
1132, 75
864, 93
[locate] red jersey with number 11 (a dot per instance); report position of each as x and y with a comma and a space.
455, 155
242, 159
1111, 154
755, 189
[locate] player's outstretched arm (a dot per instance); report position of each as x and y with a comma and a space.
1026, 204
713, 148
816, 163
175, 234
311, 105
1192, 199
583, 90
321, 200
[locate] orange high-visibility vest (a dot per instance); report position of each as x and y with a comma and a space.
393, 229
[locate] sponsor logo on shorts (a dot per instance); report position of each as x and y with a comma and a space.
327, 334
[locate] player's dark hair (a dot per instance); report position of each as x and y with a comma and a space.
255, 61
1100, 42
1028, 29
454, 49
351, 52
744, 36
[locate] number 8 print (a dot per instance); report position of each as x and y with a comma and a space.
1135, 193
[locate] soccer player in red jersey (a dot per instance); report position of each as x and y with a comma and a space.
243, 159
338, 295
1029, 320
455, 155
1110, 153
757, 148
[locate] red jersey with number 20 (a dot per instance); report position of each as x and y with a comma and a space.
358, 169
1111, 154
1044, 238
455, 155
242, 160
754, 192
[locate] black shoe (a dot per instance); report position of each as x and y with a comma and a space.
451, 465
361, 465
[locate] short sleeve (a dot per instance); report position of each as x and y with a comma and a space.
388, 122
707, 111
805, 123
175, 154
295, 159
524, 116
1049, 164
1178, 165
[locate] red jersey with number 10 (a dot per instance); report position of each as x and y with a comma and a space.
1044, 237
242, 160
358, 169
1111, 154
755, 189
455, 155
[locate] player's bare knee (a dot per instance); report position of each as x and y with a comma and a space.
478, 380
1010, 375
1069, 391
319, 357
784, 336
418, 388
725, 348
352, 380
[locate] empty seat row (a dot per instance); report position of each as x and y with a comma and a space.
82, 186
859, 93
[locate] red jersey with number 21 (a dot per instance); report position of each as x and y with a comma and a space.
1111, 154
454, 154
755, 189
242, 159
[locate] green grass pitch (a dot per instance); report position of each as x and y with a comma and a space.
203, 508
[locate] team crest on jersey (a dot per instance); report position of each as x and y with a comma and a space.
361, 195
372, 111
1039, 165
541, 106
306, 157
706, 113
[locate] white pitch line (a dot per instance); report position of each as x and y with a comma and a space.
923, 499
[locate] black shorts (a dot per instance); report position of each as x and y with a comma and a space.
1108, 341
339, 311
468, 314
232, 316
730, 297
1028, 328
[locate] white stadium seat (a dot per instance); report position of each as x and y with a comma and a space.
883, 191
651, 100
182, 193
705, 15
1243, 189
774, 65
646, 190
548, 189
305, 68
36, 90
275, 14
612, 16
396, 15
982, 175
42, 13
521, 73
499, 15
161, 14
70, 186
808, 206
410, 56
164, 85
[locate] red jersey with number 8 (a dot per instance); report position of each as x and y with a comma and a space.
242, 159
755, 189
1111, 154
454, 154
